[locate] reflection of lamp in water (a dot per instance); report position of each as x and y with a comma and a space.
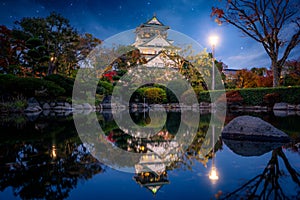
53, 152
213, 174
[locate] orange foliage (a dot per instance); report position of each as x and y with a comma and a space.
251, 79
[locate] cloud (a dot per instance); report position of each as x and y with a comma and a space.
255, 57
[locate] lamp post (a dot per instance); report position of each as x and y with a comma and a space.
213, 174
213, 41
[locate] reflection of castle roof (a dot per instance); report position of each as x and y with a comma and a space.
166, 150
151, 181
150, 162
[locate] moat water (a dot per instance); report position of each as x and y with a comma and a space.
42, 157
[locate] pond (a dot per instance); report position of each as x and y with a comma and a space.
44, 157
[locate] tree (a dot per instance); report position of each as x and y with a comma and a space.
245, 79
264, 77
256, 77
266, 22
9, 56
292, 73
53, 43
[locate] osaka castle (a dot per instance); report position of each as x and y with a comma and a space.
153, 43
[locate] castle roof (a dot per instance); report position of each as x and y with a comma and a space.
154, 21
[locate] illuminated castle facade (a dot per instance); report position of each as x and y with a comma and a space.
153, 43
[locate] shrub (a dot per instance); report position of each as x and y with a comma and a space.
27, 87
64, 82
104, 87
255, 96
155, 95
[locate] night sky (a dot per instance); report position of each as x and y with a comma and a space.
107, 18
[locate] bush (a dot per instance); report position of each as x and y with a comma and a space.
255, 96
64, 82
27, 87
104, 87
155, 95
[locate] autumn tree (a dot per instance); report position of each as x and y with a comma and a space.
291, 73
9, 57
255, 77
245, 79
275, 24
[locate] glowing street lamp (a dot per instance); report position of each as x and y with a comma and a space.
213, 40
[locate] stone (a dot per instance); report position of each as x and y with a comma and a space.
33, 109
67, 105
52, 104
46, 106
59, 108
280, 106
77, 107
32, 102
87, 106
60, 103
280, 113
46, 112
204, 104
32, 116
253, 129
291, 107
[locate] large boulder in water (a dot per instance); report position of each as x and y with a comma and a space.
253, 129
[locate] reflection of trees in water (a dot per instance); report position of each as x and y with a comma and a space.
268, 184
40, 170
35, 175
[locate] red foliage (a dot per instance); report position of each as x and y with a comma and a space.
231, 97
217, 12
265, 81
234, 96
110, 75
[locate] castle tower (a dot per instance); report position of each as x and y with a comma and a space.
151, 37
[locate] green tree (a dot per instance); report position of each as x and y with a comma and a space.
266, 22
53, 43
155, 95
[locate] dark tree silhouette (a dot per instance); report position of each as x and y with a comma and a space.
267, 185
